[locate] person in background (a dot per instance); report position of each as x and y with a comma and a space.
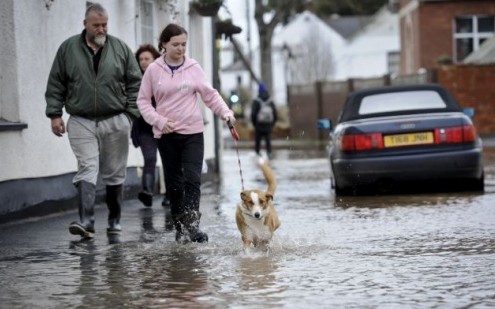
263, 116
175, 80
142, 135
96, 78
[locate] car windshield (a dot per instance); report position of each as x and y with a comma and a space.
401, 101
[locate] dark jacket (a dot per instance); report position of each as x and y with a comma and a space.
73, 83
255, 109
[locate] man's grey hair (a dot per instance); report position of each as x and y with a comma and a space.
97, 8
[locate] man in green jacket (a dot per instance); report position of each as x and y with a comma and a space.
96, 78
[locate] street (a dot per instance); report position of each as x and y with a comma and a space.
409, 251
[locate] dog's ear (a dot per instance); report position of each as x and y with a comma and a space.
269, 196
243, 195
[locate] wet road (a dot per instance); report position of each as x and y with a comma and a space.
408, 251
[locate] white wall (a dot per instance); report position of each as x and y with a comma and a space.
35, 151
365, 55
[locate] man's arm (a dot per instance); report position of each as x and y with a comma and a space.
56, 89
133, 81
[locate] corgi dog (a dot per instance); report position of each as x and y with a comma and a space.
256, 217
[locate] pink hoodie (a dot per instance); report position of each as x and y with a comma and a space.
176, 97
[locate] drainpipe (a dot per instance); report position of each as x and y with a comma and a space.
216, 85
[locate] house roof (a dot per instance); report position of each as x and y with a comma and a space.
484, 55
307, 25
366, 51
346, 26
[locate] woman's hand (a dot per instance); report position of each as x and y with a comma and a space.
230, 119
169, 127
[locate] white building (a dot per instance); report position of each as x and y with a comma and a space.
307, 49
36, 167
373, 50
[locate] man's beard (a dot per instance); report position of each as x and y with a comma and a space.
100, 40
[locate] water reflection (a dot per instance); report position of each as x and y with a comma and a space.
148, 216
396, 251
257, 285
378, 201
89, 277
175, 278
118, 271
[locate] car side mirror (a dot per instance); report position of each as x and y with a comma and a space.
324, 124
469, 111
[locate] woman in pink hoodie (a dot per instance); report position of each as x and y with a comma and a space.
175, 81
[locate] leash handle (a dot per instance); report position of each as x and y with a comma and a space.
233, 132
236, 138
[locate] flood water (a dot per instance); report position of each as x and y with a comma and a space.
434, 250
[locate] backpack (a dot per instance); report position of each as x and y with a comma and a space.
265, 114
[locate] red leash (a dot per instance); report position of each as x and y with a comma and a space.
234, 134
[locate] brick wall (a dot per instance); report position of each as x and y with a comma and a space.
427, 32
472, 86
303, 111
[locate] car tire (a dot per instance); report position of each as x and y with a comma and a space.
342, 191
478, 184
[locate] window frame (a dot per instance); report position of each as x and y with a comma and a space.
475, 35
146, 24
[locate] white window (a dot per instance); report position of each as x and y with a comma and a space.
401, 101
146, 17
393, 63
470, 33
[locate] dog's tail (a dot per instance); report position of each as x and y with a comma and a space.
269, 176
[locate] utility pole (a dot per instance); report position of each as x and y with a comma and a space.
250, 53
216, 85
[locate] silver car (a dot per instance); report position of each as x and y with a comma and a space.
405, 137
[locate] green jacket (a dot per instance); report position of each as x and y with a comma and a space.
74, 85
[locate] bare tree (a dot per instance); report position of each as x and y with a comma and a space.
275, 11
311, 60
269, 13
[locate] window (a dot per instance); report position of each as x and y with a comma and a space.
470, 33
146, 22
393, 63
401, 101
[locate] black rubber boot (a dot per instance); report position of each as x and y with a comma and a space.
176, 215
180, 232
146, 196
114, 198
166, 201
85, 228
191, 222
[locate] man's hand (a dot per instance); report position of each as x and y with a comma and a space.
58, 126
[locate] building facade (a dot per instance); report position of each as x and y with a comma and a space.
36, 167
447, 31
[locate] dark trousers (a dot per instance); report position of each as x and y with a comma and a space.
263, 134
182, 158
149, 147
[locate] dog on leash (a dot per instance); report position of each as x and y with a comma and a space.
256, 217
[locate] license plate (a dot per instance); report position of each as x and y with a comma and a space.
409, 139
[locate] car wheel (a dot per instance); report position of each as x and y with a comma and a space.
342, 191
478, 184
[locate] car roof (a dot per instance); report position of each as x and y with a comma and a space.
351, 107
